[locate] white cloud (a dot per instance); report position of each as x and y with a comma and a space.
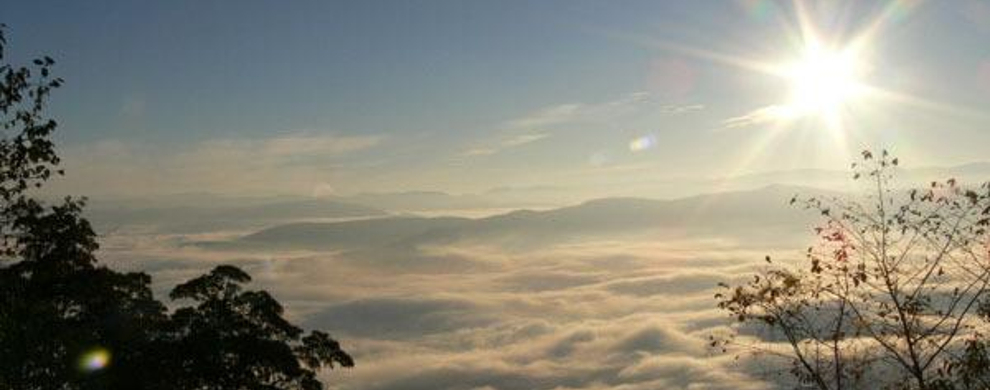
506, 143
293, 163
307, 145
523, 139
763, 115
464, 307
543, 122
549, 116
579, 316
567, 113
275, 150
682, 109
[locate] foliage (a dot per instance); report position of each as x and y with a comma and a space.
234, 339
892, 295
58, 305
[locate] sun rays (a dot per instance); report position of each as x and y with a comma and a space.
827, 74
822, 82
831, 85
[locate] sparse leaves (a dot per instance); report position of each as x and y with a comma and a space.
897, 283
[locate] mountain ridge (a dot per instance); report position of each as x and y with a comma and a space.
707, 213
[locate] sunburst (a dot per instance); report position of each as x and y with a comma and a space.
823, 82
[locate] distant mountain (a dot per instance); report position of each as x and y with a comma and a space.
234, 214
352, 233
418, 200
745, 214
500, 198
972, 173
421, 201
977, 172
187, 213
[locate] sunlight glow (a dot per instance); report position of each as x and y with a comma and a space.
822, 82
828, 75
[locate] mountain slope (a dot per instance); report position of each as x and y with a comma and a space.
743, 214
239, 216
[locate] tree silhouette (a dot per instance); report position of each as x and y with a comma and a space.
57, 305
893, 295
234, 339
67, 322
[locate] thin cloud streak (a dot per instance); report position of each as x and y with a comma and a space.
544, 122
508, 143
763, 115
286, 163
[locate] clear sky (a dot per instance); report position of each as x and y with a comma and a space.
324, 97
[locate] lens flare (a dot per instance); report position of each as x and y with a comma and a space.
94, 360
643, 143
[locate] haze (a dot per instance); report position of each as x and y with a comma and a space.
499, 195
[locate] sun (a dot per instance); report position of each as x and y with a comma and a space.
823, 82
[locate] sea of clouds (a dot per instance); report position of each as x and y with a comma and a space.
626, 311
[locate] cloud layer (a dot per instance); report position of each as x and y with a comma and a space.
622, 312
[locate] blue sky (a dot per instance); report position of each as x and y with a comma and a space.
265, 97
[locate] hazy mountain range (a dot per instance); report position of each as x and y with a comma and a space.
245, 213
728, 201
763, 212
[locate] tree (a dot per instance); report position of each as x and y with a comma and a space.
67, 322
234, 339
57, 304
892, 295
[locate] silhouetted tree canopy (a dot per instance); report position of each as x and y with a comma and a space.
235, 339
67, 322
